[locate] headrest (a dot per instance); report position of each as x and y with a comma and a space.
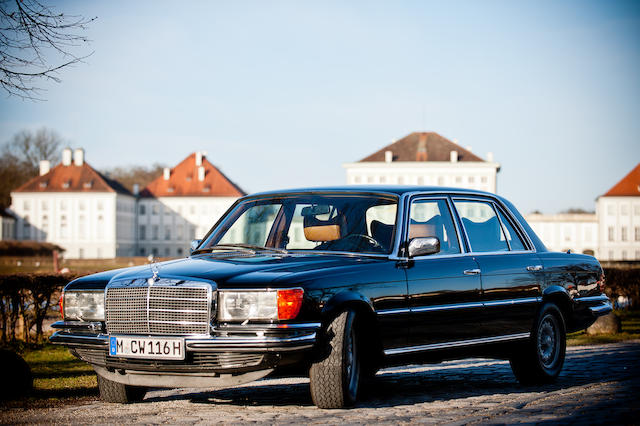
420, 230
322, 230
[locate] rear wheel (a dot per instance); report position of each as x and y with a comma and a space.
335, 377
540, 360
111, 391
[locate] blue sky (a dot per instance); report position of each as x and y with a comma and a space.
280, 94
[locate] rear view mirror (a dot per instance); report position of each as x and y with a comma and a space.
315, 210
194, 245
423, 246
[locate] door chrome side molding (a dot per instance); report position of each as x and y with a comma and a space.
457, 343
469, 305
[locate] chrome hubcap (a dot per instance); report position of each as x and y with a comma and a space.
548, 341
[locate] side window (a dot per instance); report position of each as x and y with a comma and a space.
512, 236
431, 218
482, 226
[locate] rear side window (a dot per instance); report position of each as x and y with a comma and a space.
512, 236
431, 218
482, 226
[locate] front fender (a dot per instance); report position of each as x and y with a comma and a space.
344, 299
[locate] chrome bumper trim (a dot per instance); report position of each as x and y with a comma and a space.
601, 310
245, 344
599, 298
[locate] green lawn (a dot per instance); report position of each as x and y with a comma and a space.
58, 377
630, 330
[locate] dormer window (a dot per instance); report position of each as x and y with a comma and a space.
87, 185
170, 189
189, 178
43, 184
66, 184
206, 189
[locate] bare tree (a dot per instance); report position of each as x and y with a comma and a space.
30, 34
20, 157
128, 176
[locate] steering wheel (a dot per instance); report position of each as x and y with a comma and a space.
355, 240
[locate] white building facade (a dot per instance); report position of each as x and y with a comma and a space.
77, 208
562, 232
427, 159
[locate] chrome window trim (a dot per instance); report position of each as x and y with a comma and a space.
508, 214
453, 306
457, 343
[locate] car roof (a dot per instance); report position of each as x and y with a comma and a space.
383, 189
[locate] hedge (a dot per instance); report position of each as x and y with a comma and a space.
623, 282
30, 297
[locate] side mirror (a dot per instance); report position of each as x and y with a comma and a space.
423, 246
194, 245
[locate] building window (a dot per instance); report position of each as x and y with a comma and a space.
26, 228
611, 233
637, 233
624, 210
458, 179
45, 226
179, 251
624, 255
81, 253
483, 179
637, 254
623, 233
383, 179
82, 224
63, 204
154, 232
167, 210
167, 252
167, 232
143, 232
611, 210
420, 180
400, 180
610, 254
26, 205
154, 209
81, 205
154, 251
64, 227
141, 251
472, 179
100, 205
440, 181
179, 232
356, 179
636, 210
100, 229
143, 209
369, 179
45, 206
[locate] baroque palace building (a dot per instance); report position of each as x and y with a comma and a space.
91, 216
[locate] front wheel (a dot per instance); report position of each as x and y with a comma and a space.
335, 376
111, 391
542, 357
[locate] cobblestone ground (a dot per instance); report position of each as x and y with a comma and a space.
599, 384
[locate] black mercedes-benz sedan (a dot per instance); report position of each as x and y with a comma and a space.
335, 283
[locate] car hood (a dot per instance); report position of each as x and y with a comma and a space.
241, 271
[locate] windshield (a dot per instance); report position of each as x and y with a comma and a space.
341, 223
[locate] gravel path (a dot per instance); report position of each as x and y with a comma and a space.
599, 384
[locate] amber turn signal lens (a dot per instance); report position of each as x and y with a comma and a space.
61, 304
289, 303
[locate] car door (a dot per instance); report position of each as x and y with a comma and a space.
444, 288
511, 271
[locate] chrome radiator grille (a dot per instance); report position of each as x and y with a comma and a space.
163, 308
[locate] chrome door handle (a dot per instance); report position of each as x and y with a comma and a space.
534, 268
472, 272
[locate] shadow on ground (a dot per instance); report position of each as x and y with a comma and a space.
443, 382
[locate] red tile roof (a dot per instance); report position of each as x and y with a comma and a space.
184, 181
412, 148
628, 186
73, 178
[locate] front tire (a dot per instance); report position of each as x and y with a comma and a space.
335, 377
540, 360
111, 391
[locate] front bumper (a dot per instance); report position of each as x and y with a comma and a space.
233, 354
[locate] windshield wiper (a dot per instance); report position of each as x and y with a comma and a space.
250, 248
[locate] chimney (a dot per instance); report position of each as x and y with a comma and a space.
136, 189
45, 166
66, 157
421, 153
468, 148
166, 173
454, 156
388, 156
199, 158
490, 157
201, 173
78, 157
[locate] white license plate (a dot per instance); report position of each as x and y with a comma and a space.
146, 347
